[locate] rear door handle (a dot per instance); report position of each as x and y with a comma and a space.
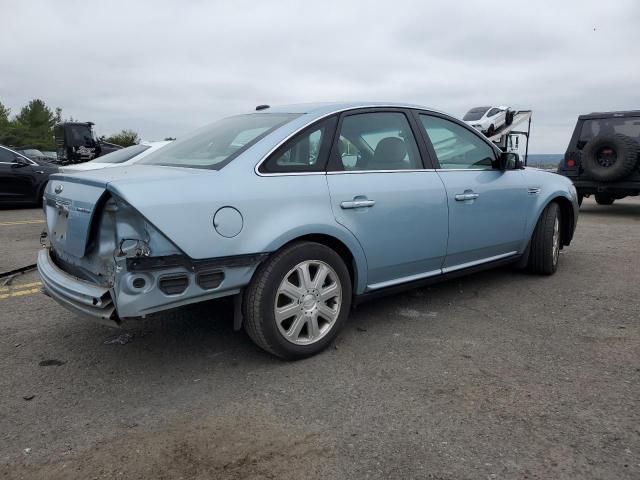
357, 204
467, 195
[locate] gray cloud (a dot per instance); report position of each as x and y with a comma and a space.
164, 67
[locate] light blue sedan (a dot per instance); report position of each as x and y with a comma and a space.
299, 211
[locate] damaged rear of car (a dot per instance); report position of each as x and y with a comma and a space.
104, 255
101, 249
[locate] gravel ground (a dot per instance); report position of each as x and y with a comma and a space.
497, 375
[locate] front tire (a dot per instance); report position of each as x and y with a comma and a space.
546, 241
298, 300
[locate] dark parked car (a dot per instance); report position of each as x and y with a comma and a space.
22, 180
602, 157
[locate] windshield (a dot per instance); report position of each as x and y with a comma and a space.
629, 126
475, 113
217, 144
121, 156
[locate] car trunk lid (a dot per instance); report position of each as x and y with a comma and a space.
72, 201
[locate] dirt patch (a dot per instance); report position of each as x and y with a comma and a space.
217, 447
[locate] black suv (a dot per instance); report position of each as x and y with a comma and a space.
602, 157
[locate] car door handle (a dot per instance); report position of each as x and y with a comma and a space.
357, 204
461, 197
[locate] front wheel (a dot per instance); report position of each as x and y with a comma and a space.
545, 242
298, 300
491, 130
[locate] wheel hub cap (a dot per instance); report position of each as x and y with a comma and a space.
308, 302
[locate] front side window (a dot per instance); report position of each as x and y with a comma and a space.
455, 146
377, 141
215, 145
493, 112
304, 153
6, 156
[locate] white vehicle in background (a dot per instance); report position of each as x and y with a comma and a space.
119, 158
489, 119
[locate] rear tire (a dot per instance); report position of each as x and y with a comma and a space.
604, 199
298, 300
546, 241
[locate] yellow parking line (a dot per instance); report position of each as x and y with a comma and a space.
19, 293
18, 287
20, 222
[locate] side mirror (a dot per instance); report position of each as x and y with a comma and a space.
509, 161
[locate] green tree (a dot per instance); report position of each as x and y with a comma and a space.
125, 138
32, 126
4, 115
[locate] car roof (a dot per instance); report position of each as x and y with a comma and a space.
324, 108
620, 113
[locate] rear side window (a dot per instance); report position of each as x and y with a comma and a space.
629, 126
306, 152
377, 141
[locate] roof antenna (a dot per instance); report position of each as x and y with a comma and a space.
262, 107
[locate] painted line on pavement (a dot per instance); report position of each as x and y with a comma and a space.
19, 287
20, 222
19, 293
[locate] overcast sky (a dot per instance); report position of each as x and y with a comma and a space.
165, 67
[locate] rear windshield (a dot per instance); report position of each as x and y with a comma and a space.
217, 144
475, 113
122, 155
629, 126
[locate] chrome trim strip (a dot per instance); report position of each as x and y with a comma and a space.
467, 169
410, 278
478, 262
352, 172
333, 112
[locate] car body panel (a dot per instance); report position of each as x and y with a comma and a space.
415, 230
398, 239
502, 203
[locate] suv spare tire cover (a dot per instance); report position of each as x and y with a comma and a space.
624, 152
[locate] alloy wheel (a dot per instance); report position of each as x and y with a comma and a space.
308, 302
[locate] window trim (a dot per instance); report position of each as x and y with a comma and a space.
31, 162
423, 153
432, 151
323, 152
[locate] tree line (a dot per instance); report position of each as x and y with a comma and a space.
33, 127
